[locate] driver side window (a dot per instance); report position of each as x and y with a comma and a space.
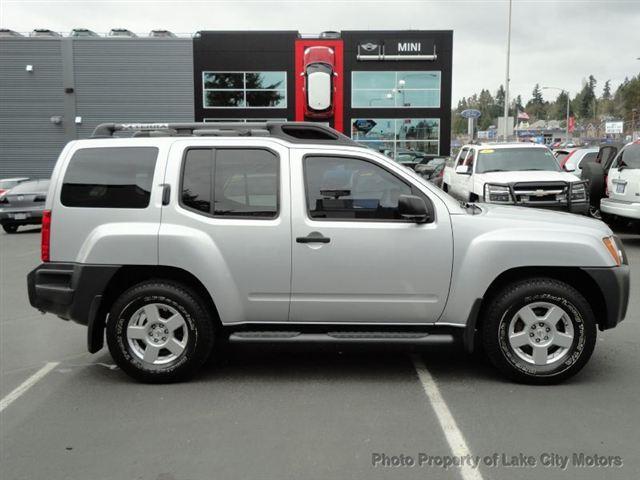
462, 157
350, 188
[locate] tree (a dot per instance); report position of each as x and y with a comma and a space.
500, 96
627, 98
558, 109
537, 107
586, 99
606, 91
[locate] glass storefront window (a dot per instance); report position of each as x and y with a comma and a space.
395, 89
244, 89
393, 135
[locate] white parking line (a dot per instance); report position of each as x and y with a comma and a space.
26, 385
454, 436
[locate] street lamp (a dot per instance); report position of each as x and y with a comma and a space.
568, 106
506, 82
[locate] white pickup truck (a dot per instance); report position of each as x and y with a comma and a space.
523, 174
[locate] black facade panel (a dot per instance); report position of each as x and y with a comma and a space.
443, 43
244, 52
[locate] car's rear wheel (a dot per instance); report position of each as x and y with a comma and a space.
159, 332
539, 331
10, 228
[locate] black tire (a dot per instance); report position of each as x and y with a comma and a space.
10, 228
169, 299
577, 320
594, 173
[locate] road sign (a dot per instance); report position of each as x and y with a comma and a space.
613, 127
470, 113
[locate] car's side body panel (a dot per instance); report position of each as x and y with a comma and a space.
370, 271
245, 264
106, 235
493, 242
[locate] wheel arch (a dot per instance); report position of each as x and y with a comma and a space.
573, 276
130, 275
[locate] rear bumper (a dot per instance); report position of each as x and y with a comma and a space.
68, 290
621, 209
33, 217
614, 283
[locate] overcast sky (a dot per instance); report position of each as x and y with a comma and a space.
556, 43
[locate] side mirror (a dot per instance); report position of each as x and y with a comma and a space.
411, 207
463, 170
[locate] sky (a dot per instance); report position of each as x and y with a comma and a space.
553, 43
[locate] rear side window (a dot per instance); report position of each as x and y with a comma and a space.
243, 183
629, 157
112, 177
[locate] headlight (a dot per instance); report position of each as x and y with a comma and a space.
578, 192
614, 250
497, 194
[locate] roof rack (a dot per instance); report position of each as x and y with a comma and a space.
293, 132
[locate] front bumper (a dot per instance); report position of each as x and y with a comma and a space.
621, 209
614, 283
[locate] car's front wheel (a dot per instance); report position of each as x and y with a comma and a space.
539, 331
159, 332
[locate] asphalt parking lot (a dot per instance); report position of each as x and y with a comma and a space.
299, 413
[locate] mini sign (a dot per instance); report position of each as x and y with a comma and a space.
412, 47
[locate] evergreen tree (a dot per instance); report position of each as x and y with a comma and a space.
500, 96
537, 107
606, 91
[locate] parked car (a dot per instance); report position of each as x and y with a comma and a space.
432, 169
23, 205
595, 174
293, 232
524, 174
571, 160
319, 73
623, 185
9, 183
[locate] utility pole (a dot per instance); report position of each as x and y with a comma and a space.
506, 82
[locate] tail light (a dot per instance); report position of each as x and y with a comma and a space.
2, 190
46, 236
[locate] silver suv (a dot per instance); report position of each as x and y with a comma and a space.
184, 236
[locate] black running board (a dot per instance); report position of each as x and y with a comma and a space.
280, 336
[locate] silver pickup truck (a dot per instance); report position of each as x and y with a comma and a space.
185, 236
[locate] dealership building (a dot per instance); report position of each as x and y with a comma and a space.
390, 90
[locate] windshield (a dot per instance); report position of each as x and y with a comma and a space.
630, 157
516, 159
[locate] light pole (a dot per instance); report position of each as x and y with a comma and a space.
506, 82
568, 106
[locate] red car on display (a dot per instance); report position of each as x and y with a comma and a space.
319, 72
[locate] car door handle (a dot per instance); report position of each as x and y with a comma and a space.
313, 237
